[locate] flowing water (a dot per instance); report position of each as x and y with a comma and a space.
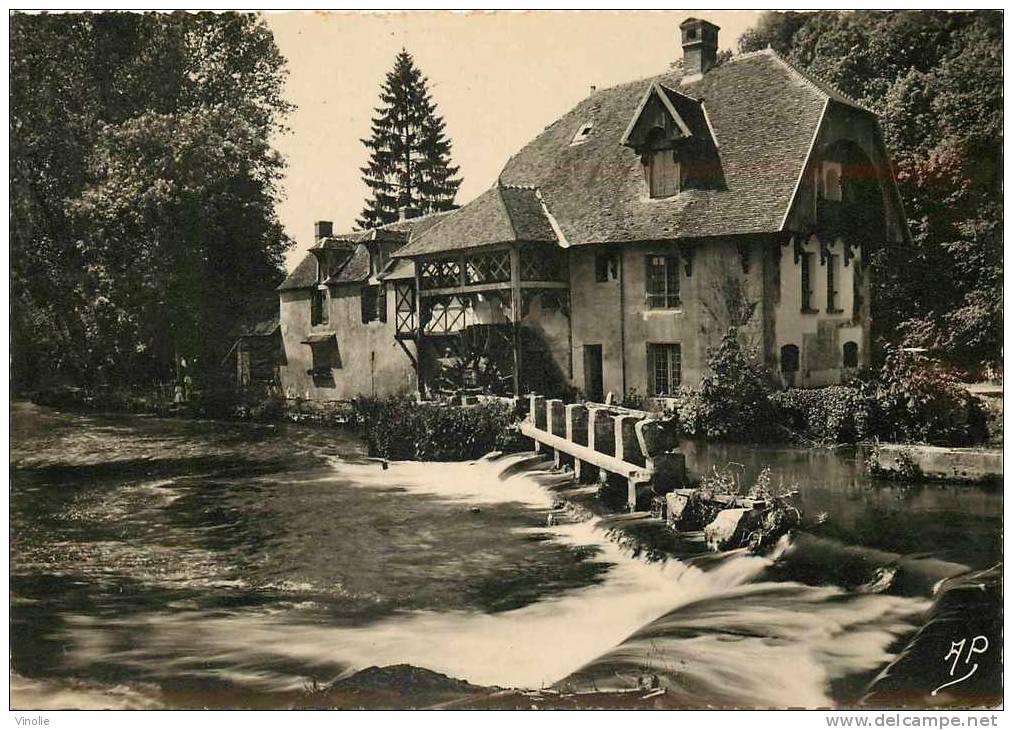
162, 563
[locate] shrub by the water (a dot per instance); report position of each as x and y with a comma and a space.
919, 400
912, 399
835, 414
401, 428
732, 402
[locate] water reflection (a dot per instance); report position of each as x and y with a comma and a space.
189, 563
952, 522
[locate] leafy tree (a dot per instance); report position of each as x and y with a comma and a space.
935, 78
409, 162
142, 190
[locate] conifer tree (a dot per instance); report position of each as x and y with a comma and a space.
409, 163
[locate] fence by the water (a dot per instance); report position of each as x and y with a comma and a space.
600, 439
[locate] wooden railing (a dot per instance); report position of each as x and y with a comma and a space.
603, 440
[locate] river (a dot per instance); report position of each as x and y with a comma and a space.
187, 563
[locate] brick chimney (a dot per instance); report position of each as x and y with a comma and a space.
405, 212
323, 229
699, 48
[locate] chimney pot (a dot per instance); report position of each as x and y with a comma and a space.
407, 211
323, 229
699, 48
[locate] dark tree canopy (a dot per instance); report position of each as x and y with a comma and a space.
935, 78
409, 153
142, 190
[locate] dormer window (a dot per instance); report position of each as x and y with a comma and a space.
828, 182
663, 174
582, 134
660, 166
674, 154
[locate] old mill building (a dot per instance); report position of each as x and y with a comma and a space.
617, 246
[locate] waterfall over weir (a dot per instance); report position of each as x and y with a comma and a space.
713, 630
180, 563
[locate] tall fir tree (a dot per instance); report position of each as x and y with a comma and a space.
409, 163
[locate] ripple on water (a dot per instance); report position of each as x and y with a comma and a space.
319, 563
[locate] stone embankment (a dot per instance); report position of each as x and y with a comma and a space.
937, 463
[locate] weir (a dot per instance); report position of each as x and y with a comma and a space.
604, 439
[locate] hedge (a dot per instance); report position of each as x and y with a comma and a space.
401, 428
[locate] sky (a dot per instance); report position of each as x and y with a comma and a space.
497, 78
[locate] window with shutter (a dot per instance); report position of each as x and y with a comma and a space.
663, 174
368, 301
833, 282
806, 266
318, 306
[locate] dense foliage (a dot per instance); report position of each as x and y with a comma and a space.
731, 402
918, 399
911, 399
837, 414
401, 428
935, 79
142, 191
409, 162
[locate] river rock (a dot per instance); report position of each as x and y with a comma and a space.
956, 658
731, 528
676, 502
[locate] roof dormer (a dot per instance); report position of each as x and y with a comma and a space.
656, 119
670, 132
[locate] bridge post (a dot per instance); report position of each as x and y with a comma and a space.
576, 431
659, 442
556, 425
601, 436
628, 449
537, 415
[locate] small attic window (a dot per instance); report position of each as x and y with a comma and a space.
583, 132
661, 168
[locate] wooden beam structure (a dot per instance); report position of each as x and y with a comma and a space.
515, 313
586, 454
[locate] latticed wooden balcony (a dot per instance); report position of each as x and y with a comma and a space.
489, 289
479, 287
538, 266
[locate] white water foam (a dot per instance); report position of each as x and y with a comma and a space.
740, 642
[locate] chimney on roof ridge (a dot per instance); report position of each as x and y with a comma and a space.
406, 211
699, 48
323, 229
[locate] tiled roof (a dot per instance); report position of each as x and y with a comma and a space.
303, 276
690, 110
502, 214
356, 267
763, 113
399, 269
264, 327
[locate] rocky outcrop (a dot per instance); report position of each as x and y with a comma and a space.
731, 521
731, 528
955, 659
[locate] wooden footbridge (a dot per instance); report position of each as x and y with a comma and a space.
603, 440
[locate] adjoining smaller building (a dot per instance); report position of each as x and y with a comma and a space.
337, 322
256, 356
